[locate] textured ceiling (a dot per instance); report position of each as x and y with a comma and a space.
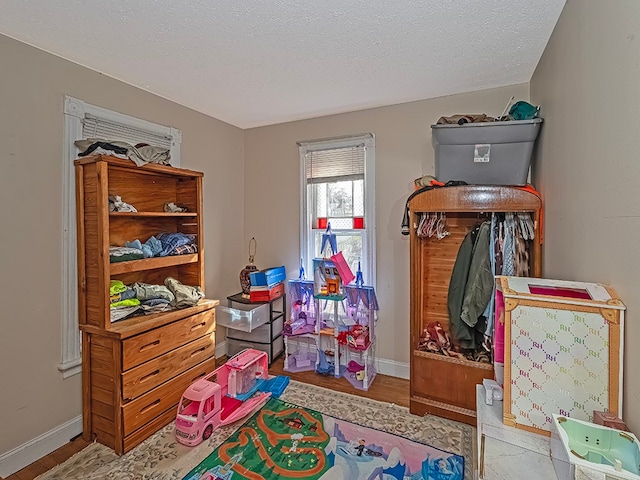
259, 62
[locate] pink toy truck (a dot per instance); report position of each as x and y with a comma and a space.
226, 395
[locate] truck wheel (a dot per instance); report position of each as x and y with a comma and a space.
207, 432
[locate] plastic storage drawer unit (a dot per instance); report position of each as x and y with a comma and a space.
488, 153
242, 317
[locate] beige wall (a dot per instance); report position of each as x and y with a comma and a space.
586, 168
32, 88
33, 396
403, 152
588, 83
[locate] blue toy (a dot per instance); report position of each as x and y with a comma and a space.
275, 385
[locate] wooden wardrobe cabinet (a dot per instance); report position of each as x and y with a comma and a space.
135, 370
441, 385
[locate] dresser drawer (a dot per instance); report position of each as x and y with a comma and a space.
141, 348
143, 378
152, 404
144, 432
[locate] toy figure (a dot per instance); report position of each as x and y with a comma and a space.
295, 438
360, 447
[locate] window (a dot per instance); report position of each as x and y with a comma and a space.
337, 188
81, 121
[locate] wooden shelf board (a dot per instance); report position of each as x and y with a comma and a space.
149, 168
153, 214
444, 358
118, 268
142, 323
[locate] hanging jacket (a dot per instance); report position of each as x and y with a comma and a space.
460, 331
479, 286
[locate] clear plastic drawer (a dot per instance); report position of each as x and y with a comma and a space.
265, 334
242, 317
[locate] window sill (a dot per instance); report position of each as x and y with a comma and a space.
70, 368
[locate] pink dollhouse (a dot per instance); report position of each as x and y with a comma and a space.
300, 330
332, 330
362, 305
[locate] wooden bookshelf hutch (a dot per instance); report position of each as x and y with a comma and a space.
135, 370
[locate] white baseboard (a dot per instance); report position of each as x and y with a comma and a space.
393, 368
383, 365
27, 453
221, 349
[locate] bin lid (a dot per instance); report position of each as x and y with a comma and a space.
489, 124
560, 291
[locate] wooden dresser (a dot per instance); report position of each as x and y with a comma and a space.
135, 370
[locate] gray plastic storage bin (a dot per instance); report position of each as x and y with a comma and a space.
490, 153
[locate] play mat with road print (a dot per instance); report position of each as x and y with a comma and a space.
284, 441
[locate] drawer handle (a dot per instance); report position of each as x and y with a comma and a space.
197, 326
149, 345
147, 377
150, 406
197, 377
196, 352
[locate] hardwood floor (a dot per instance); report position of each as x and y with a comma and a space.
383, 388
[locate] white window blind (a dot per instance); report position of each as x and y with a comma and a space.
339, 164
97, 127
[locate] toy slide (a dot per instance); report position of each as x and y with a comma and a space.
243, 409
229, 405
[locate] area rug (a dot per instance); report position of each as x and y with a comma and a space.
161, 457
283, 441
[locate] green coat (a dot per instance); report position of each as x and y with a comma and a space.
470, 289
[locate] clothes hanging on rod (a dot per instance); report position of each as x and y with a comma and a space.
494, 256
432, 224
499, 246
